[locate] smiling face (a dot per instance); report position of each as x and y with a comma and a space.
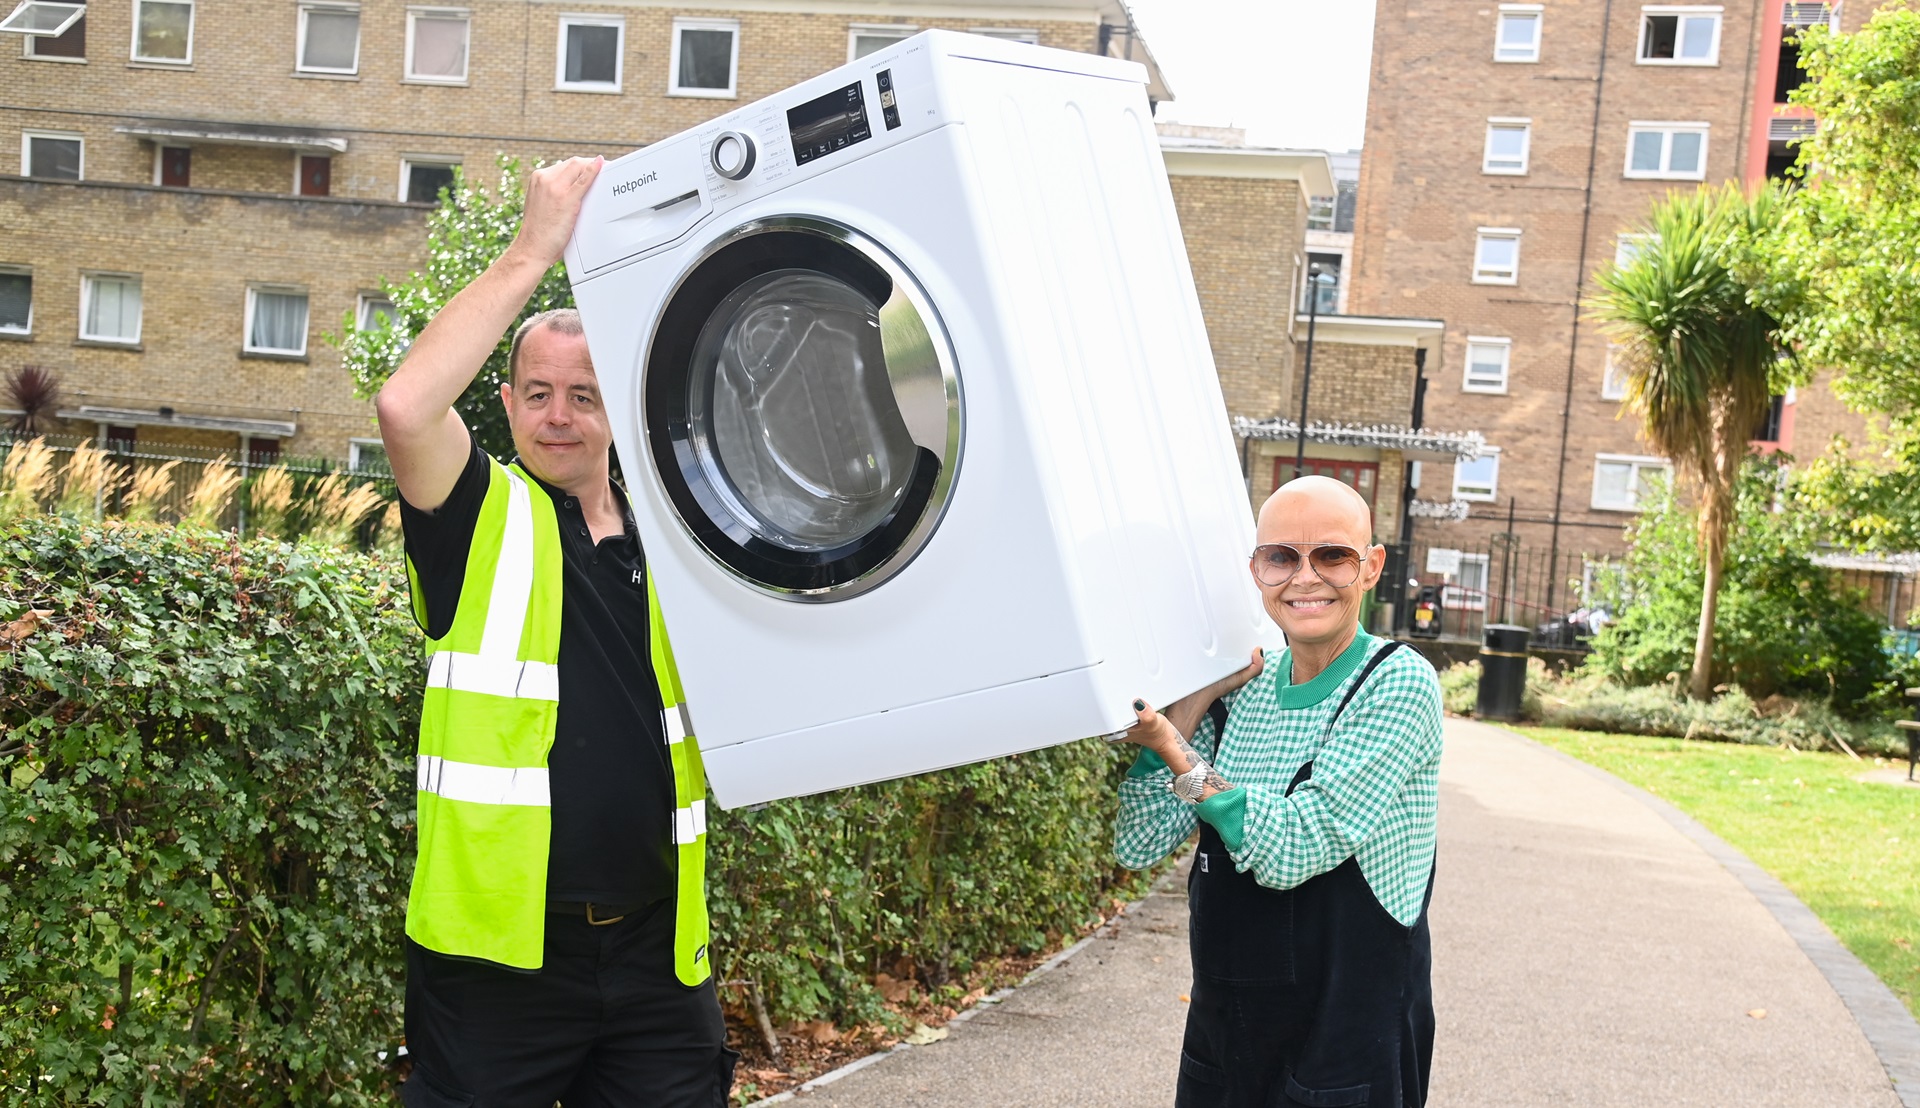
559, 423
1312, 510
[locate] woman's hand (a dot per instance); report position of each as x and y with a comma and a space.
1166, 733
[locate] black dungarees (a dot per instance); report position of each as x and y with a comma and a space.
1309, 996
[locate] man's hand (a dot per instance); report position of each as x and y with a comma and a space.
554, 196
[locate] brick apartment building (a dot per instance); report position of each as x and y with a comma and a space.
1512, 150
204, 190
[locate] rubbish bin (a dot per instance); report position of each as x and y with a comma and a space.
1426, 614
1503, 671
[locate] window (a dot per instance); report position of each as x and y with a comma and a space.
313, 175
42, 17
110, 307
1680, 36
1507, 143
1496, 256
437, 45
706, 58
16, 301
1478, 479
1517, 37
1621, 482
69, 45
1468, 589
588, 56
163, 31
329, 39
1326, 290
1487, 362
1613, 386
56, 155
1772, 423
864, 39
368, 456
421, 179
1667, 151
375, 312
173, 166
276, 320
1007, 34
1629, 245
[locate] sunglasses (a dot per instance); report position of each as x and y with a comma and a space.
1275, 563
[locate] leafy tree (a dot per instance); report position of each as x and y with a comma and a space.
1700, 359
465, 234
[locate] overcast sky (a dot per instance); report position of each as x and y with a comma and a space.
1292, 72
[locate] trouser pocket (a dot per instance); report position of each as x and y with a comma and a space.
1347, 1097
421, 1091
1201, 1085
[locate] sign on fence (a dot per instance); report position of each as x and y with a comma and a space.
1443, 561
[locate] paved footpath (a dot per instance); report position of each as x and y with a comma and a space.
1587, 953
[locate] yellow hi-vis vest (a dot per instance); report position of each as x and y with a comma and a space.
486, 726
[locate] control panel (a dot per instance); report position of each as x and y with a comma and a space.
828, 123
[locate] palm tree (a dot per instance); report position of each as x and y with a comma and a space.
1700, 359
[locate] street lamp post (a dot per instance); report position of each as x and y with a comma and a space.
1316, 280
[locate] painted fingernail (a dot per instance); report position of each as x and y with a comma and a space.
1139, 705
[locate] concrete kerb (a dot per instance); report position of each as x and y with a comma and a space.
1890, 1029
984, 1002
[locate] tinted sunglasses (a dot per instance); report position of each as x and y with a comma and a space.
1275, 563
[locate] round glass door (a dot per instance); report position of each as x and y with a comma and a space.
803, 409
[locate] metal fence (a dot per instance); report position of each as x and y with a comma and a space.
190, 464
1503, 583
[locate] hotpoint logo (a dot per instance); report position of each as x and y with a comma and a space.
625, 187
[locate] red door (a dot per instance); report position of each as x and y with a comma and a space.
316, 175
176, 166
1363, 477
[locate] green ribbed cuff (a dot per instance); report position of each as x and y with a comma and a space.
1227, 812
1147, 764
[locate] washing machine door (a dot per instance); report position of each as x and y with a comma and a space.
803, 409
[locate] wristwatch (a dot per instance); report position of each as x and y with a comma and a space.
1192, 785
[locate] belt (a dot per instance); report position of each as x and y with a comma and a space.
598, 914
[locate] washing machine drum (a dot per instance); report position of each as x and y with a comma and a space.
803, 408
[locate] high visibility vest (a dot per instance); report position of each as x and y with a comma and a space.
486, 726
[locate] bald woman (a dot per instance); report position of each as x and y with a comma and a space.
1312, 776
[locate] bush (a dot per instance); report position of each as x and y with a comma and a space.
206, 831
1785, 627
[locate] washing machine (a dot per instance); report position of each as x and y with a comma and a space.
910, 389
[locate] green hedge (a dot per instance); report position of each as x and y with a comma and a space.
206, 832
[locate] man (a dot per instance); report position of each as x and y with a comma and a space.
557, 927
1312, 777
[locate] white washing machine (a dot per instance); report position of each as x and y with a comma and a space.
909, 384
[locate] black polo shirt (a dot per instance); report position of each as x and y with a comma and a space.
609, 774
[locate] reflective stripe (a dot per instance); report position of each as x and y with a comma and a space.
690, 823
512, 578
477, 784
494, 676
676, 720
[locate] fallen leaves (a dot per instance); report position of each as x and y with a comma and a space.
923, 1035
20, 628
1757, 1013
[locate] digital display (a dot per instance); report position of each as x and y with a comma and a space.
828, 123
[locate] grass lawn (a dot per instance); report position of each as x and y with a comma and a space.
1850, 850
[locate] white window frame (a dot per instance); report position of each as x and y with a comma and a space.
87, 279
732, 91
408, 161
1482, 276
31, 42
300, 39
26, 150
413, 16
619, 25
1508, 123
27, 272
1537, 12
354, 448
1008, 34
1718, 13
246, 333
1666, 131
76, 12
1613, 379
1640, 463
1493, 487
1458, 596
365, 301
133, 49
1467, 381
1628, 245
856, 31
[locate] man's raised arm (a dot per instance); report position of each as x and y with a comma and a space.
426, 442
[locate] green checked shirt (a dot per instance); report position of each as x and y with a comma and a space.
1373, 794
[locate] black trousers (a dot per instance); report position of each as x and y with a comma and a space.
604, 1022
1311, 997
